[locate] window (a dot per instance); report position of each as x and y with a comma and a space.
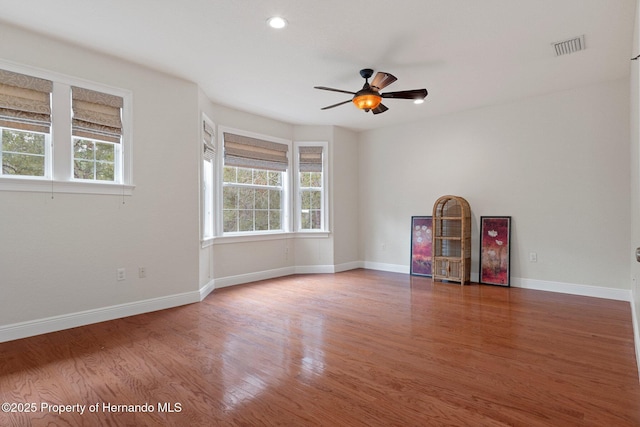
254, 184
207, 200
94, 160
311, 200
59, 137
24, 153
96, 130
25, 124
311, 206
252, 200
262, 191
208, 162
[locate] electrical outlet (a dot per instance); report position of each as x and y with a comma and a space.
142, 272
533, 257
120, 274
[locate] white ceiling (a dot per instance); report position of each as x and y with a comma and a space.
467, 53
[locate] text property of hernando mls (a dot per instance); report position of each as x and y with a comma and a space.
106, 407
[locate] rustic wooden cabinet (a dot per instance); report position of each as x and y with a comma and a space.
452, 240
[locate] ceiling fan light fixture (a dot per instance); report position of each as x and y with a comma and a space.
367, 101
418, 101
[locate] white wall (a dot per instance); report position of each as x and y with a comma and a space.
58, 257
345, 161
635, 181
558, 164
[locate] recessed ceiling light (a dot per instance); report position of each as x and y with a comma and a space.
277, 22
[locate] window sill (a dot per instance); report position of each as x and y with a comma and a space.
311, 234
241, 238
73, 187
206, 242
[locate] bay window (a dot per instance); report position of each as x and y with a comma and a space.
261, 186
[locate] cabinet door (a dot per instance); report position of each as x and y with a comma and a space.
441, 268
455, 269
448, 268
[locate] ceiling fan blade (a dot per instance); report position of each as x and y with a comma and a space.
336, 105
406, 94
381, 108
333, 90
382, 80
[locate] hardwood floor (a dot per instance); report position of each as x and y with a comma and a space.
359, 348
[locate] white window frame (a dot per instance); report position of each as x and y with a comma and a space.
325, 187
208, 186
60, 150
286, 196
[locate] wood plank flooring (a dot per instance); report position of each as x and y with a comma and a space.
359, 348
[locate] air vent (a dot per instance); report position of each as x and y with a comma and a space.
569, 46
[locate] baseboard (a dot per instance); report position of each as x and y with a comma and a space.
66, 321
338, 268
394, 268
314, 269
324, 269
572, 288
240, 279
207, 289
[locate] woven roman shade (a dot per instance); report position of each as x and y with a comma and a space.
247, 152
208, 135
96, 115
25, 102
310, 159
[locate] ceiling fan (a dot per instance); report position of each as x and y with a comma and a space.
369, 97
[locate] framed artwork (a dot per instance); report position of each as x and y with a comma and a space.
495, 248
421, 245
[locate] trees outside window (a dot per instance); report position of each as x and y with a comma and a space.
310, 200
94, 160
23, 153
251, 200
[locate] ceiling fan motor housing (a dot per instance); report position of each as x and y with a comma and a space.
366, 73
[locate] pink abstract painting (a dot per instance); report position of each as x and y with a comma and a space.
421, 244
494, 250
